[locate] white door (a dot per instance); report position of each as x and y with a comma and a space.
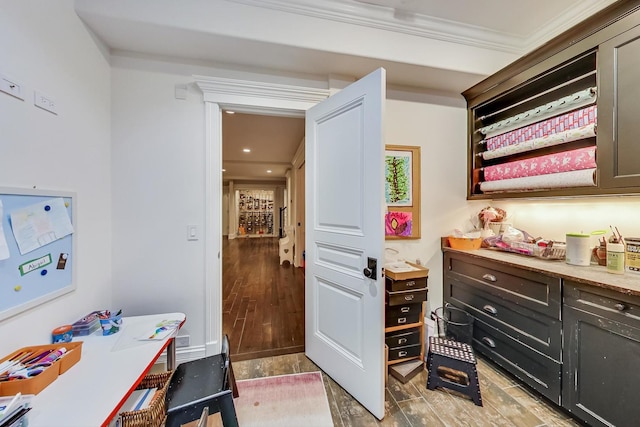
344, 326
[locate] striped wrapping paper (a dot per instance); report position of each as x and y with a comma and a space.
573, 179
583, 132
582, 158
558, 124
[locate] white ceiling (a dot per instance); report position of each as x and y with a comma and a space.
443, 45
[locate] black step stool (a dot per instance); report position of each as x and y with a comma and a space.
452, 365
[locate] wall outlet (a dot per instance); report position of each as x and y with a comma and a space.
45, 102
182, 341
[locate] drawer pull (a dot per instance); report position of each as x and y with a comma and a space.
490, 309
489, 342
402, 353
408, 297
402, 340
405, 309
410, 283
489, 277
620, 307
402, 320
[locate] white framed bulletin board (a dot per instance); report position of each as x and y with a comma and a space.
37, 240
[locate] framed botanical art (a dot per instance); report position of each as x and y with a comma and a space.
402, 192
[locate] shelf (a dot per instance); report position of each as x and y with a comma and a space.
402, 327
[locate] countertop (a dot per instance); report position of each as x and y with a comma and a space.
595, 275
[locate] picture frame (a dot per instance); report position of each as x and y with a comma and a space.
402, 192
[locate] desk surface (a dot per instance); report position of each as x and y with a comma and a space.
93, 390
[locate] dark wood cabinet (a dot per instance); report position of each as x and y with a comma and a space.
601, 381
618, 124
517, 321
515, 106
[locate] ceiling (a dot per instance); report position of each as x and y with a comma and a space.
353, 38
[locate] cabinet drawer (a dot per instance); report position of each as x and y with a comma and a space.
406, 297
531, 367
538, 331
405, 285
403, 314
535, 291
404, 352
403, 338
604, 302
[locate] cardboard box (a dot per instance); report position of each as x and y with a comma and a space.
417, 272
35, 385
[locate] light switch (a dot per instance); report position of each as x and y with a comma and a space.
192, 232
11, 86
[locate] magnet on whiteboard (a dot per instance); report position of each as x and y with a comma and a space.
17, 288
66, 204
47, 208
43, 272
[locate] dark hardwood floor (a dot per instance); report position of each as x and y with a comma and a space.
263, 301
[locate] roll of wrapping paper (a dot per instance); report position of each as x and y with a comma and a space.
581, 158
583, 132
559, 106
581, 178
554, 125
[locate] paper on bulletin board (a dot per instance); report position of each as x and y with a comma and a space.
4, 248
40, 224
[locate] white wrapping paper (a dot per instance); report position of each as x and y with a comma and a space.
580, 178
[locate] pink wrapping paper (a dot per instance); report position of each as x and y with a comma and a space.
572, 120
582, 158
583, 132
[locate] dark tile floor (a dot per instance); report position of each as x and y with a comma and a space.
506, 403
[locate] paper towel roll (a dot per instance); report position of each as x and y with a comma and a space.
580, 178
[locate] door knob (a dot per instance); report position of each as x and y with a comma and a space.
370, 270
367, 272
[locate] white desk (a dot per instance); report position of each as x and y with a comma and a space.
92, 391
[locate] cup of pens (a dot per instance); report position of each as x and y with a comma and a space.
110, 322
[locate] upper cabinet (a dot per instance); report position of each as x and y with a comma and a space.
563, 120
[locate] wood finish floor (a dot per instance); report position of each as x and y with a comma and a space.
263, 301
506, 403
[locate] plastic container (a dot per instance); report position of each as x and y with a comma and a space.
87, 325
62, 334
578, 249
615, 258
632, 254
454, 324
111, 324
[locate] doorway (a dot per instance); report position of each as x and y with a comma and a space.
262, 297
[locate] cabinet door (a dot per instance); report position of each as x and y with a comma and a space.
601, 378
618, 110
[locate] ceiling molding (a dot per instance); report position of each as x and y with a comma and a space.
421, 25
382, 18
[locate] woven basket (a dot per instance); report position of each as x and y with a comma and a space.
155, 414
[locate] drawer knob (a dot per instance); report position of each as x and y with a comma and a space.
408, 297
490, 309
489, 342
620, 306
489, 277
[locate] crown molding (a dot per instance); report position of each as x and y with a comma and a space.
421, 25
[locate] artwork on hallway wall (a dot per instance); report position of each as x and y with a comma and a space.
402, 192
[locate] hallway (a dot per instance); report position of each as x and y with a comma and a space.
263, 301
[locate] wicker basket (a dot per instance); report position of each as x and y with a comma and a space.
156, 413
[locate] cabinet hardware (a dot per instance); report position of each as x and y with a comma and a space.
489, 277
490, 309
411, 283
402, 320
488, 341
402, 340
402, 353
620, 307
405, 309
408, 297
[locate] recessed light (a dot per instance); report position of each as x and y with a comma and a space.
269, 171
246, 150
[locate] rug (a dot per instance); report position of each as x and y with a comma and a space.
284, 400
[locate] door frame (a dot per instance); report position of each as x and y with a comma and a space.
245, 96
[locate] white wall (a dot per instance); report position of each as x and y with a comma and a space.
44, 46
